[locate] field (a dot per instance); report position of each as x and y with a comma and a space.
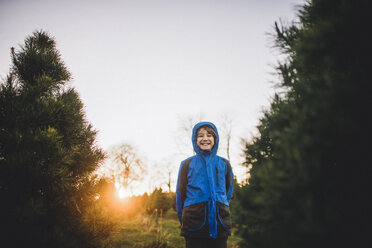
145, 231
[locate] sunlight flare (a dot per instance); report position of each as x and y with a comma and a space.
122, 192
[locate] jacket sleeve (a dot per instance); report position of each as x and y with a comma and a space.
229, 181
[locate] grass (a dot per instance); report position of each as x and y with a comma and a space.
145, 231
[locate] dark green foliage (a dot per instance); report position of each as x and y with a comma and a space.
159, 202
310, 164
235, 206
47, 154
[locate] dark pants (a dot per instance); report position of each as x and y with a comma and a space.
206, 243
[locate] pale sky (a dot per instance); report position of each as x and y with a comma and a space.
142, 66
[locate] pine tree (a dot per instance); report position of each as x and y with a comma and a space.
310, 164
47, 153
158, 202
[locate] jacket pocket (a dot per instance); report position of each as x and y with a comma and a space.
224, 216
194, 217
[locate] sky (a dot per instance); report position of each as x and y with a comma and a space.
144, 67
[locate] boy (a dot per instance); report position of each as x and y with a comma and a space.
204, 190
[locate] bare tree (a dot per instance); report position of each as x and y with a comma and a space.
226, 125
125, 164
186, 124
163, 173
169, 183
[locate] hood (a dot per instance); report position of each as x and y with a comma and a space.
196, 147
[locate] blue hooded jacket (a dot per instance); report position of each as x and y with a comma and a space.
204, 190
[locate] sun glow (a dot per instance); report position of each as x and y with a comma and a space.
122, 192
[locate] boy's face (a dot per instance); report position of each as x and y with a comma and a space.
204, 140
